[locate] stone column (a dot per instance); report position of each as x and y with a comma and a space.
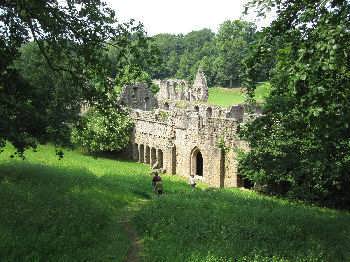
141, 153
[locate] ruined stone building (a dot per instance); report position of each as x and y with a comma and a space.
177, 131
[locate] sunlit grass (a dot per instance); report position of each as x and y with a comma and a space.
70, 210
232, 96
231, 225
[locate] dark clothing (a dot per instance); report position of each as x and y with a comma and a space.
155, 180
157, 185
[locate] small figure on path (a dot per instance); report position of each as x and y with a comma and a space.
192, 181
157, 183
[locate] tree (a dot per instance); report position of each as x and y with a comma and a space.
106, 126
300, 146
170, 48
72, 37
232, 43
52, 104
141, 52
103, 129
181, 54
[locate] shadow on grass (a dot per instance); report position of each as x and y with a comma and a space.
231, 225
63, 214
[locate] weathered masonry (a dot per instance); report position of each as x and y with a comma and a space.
179, 133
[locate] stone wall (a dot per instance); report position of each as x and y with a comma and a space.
176, 139
137, 96
177, 132
178, 89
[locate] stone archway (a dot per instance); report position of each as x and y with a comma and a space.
197, 163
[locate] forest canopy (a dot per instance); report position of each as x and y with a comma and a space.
54, 57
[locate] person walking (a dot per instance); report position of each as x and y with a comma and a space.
157, 184
192, 181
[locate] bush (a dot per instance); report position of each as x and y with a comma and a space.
103, 130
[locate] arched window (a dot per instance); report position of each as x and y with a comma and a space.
196, 108
166, 106
197, 162
209, 112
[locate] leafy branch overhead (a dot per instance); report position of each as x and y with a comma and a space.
300, 146
52, 55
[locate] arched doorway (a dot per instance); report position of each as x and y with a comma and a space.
196, 162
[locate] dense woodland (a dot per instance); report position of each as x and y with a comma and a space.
56, 56
219, 55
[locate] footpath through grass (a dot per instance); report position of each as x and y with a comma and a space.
232, 96
70, 210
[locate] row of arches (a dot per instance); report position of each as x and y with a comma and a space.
148, 155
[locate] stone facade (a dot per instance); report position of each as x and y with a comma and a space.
186, 138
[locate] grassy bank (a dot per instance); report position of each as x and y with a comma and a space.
231, 96
70, 210
231, 225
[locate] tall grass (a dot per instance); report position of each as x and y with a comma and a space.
70, 210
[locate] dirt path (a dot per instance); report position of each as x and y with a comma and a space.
136, 247
133, 254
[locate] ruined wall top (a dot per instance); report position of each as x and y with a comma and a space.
137, 96
178, 89
175, 95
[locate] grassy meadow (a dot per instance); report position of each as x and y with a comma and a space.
232, 96
72, 210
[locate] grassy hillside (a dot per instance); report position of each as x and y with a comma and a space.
71, 210
231, 96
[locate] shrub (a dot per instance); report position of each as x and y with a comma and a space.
103, 130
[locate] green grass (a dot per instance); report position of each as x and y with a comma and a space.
231, 96
70, 210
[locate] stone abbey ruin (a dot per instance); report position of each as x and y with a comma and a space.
176, 130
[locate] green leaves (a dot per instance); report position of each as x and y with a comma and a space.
44, 83
310, 97
103, 129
